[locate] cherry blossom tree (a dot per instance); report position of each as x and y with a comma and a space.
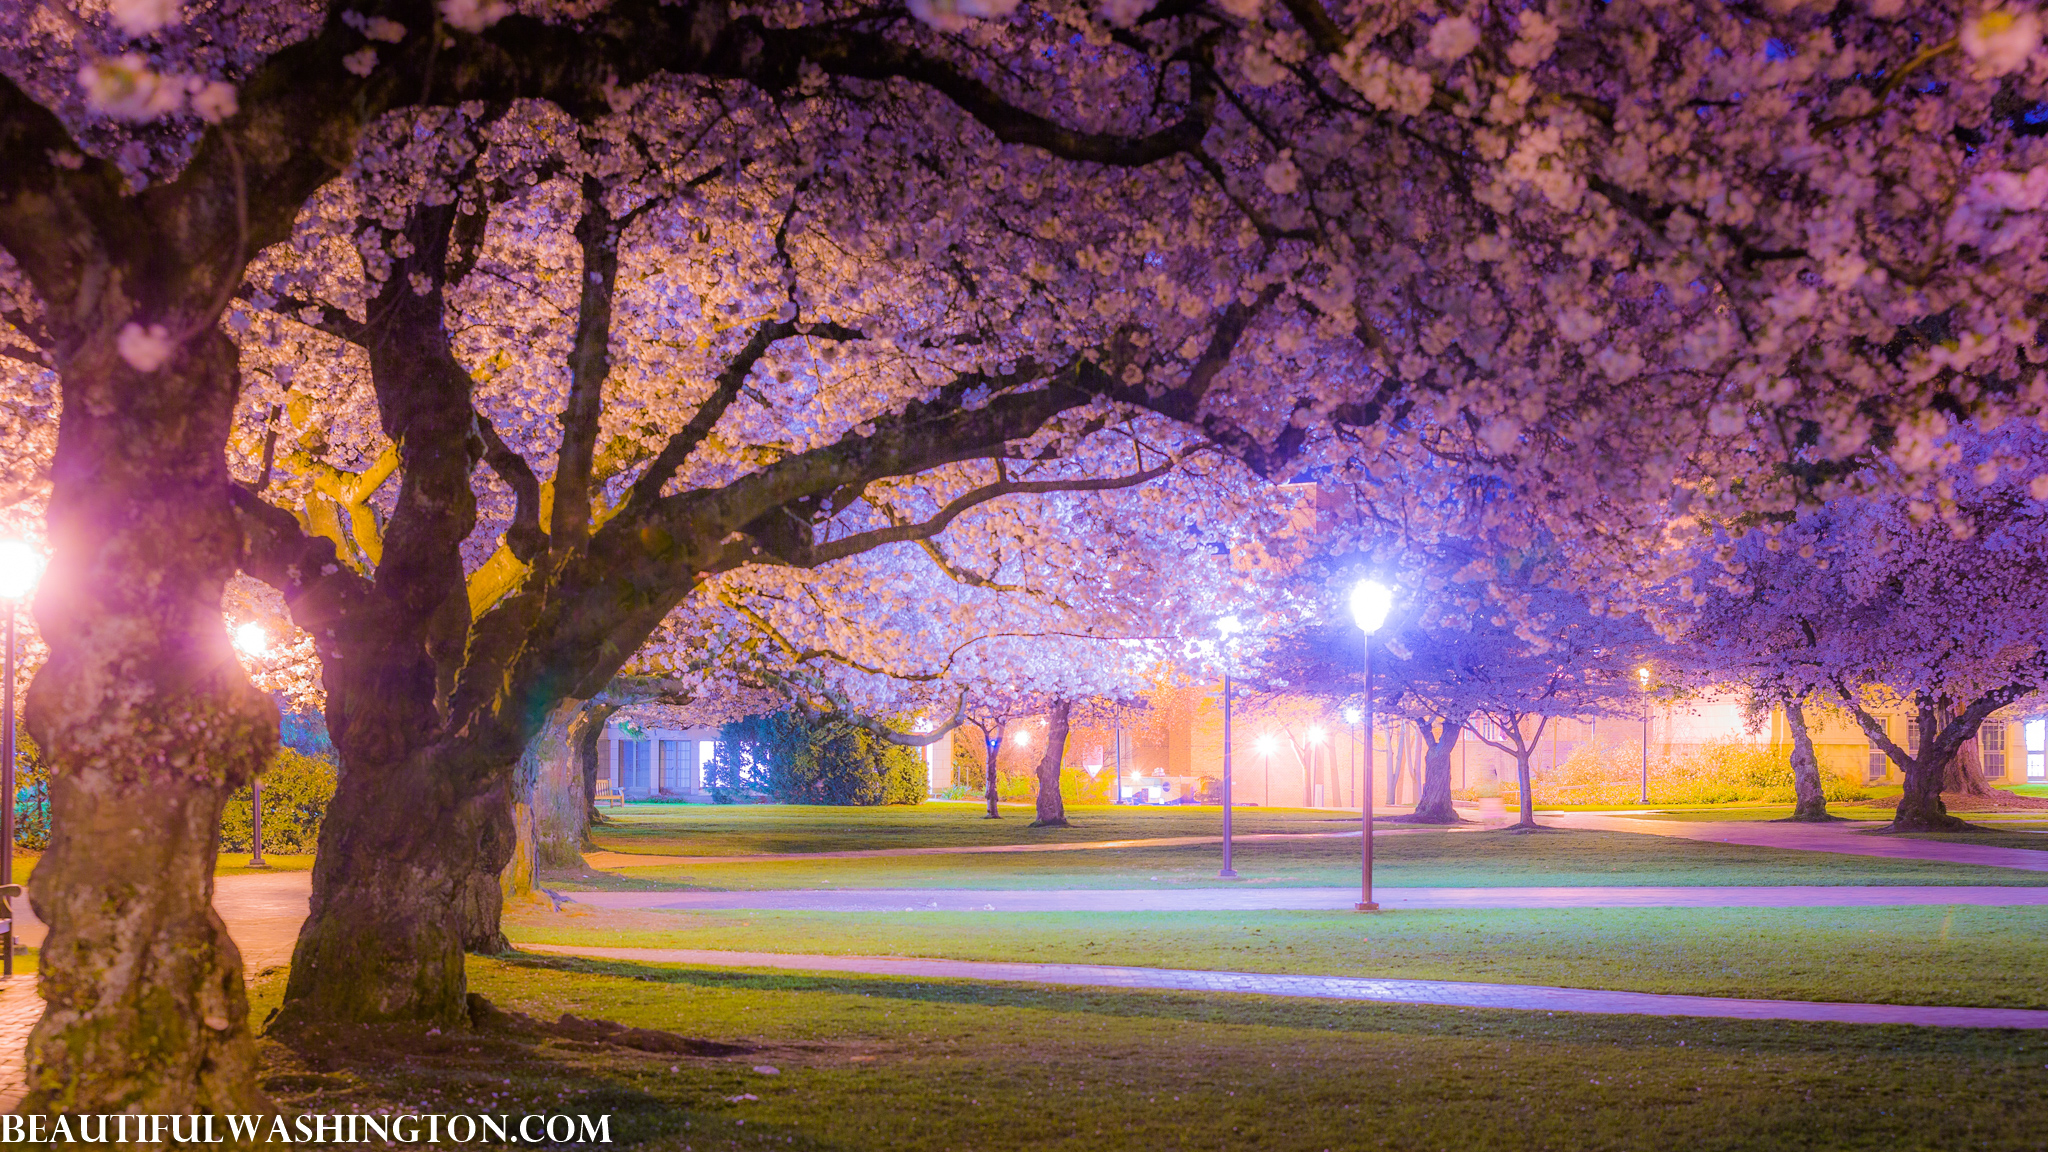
1609, 255
1934, 600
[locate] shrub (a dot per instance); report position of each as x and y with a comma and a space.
1716, 772
31, 795
829, 759
296, 791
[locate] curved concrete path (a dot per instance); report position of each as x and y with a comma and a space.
1522, 997
1236, 899
1852, 838
262, 911
607, 859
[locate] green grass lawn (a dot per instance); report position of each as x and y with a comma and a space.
1411, 859
2002, 838
745, 829
879, 1063
1911, 955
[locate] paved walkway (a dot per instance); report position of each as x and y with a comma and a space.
1236, 899
1526, 997
20, 1008
263, 911
1849, 837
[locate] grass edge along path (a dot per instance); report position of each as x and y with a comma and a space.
1960, 955
924, 1065
1439, 993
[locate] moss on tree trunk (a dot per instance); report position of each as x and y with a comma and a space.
148, 723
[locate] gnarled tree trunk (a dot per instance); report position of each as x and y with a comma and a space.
1527, 817
1051, 809
1963, 775
1811, 802
395, 888
149, 723
1433, 803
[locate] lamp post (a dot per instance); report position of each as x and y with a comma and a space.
1229, 626
1266, 744
1643, 678
1315, 741
19, 567
1370, 601
251, 639
1351, 717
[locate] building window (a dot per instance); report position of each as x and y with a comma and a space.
2036, 734
1877, 764
707, 750
1913, 737
1991, 742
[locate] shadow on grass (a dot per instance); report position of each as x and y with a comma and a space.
1251, 1010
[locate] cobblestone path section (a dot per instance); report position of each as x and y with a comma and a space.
1522, 997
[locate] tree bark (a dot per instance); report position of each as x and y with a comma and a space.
991, 743
1433, 803
396, 900
1528, 800
584, 739
547, 819
1052, 811
1811, 802
1963, 775
148, 723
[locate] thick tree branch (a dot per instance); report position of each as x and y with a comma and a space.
524, 537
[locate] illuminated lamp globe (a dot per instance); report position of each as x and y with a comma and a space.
20, 566
251, 638
1370, 602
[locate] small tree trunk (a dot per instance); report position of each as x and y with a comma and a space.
1811, 803
1433, 803
405, 880
1051, 810
1528, 800
588, 730
991, 745
148, 723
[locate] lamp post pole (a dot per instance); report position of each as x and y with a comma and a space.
1365, 900
256, 823
1643, 678
7, 791
1228, 873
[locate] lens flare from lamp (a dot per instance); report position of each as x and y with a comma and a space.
20, 566
1353, 715
1643, 677
1023, 738
1370, 602
251, 638
1265, 745
1316, 734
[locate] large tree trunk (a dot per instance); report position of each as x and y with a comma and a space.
148, 723
395, 891
1920, 808
1963, 775
1811, 802
551, 817
1051, 810
1433, 803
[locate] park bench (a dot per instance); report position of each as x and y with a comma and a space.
609, 796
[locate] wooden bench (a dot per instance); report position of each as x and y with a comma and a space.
611, 796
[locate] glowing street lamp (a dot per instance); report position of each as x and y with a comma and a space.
1370, 602
1643, 678
20, 567
1229, 626
254, 641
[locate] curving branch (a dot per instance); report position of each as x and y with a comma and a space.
524, 538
